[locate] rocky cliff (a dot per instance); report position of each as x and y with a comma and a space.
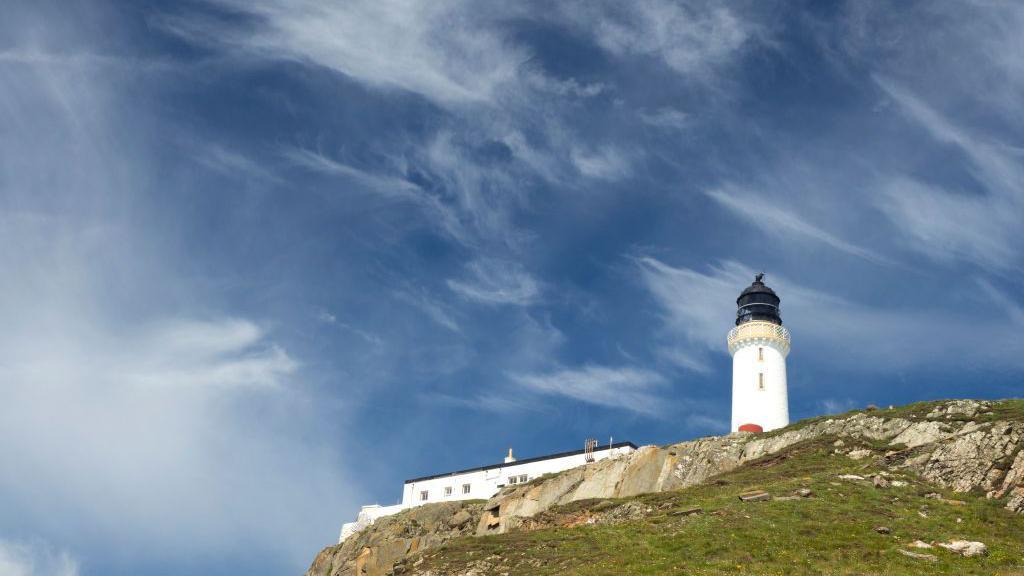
961, 445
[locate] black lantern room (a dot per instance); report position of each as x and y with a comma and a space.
758, 302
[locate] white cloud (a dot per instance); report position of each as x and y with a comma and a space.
606, 163
25, 559
693, 302
491, 281
432, 308
231, 162
1003, 302
693, 38
230, 352
488, 401
385, 185
668, 118
391, 187
836, 405
700, 308
135, 409
946, 225
766, 214
627, 388
439, 49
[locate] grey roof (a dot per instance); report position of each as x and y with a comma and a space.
524, 461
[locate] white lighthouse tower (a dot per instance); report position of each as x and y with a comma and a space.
759, 345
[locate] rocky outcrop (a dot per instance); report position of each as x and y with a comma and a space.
959, 444
943, 445
379, 549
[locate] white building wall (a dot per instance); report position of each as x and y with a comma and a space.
367, 515
483, 484
768, 408
486, 483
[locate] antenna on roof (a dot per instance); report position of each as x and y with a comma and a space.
588, 449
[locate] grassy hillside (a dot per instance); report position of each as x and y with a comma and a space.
831, 532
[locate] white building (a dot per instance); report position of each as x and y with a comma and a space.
482, 482
759, 345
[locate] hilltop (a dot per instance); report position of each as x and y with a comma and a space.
867, 492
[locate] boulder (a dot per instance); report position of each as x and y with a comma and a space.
919, 434
965, 548
918, 555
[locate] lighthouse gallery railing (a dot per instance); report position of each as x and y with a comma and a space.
758, 330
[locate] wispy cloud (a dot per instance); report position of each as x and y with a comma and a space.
766, 213
668, 118
856, 335
174, 405
429, 306
389, 186
693, 301
232, 162
692, 39
35, 559
327, 317
628, 388
386, 185
490, 281
837, 405
229, 352
1003, 302
433, 49
946, 224
490, 402
606, 163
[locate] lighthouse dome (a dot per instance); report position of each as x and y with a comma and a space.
758, 302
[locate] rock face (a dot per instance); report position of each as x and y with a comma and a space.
377, 550
956, 444
944, 447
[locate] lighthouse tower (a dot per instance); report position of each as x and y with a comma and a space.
759, 345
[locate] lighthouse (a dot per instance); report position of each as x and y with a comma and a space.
759, 345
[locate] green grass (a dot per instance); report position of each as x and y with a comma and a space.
830, 533
1007, 410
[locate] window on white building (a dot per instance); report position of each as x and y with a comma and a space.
447, 490
465, 488
522, 478
513, 479
424, 495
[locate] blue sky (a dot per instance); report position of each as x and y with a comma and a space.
264, 260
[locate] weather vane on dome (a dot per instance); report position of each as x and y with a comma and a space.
759, 277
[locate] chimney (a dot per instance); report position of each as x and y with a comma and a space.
509, 459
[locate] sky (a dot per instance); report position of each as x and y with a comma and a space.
263, 260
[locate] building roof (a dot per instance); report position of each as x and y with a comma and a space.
523, 461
